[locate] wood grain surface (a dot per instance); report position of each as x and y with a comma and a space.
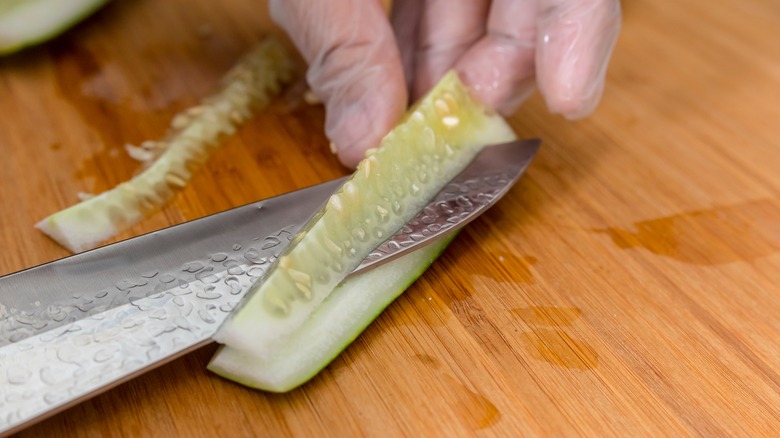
629, 285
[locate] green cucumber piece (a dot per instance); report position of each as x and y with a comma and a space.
341, 317
25, 23
434, 142
171, 162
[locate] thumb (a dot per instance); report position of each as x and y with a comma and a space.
354, 67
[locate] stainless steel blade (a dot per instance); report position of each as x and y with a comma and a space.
73, 328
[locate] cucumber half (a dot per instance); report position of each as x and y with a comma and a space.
172, 161
330, 329
27, 22
435, 141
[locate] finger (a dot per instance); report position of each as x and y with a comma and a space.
354, 67
575, 42
447, 28
405, 18
499, 68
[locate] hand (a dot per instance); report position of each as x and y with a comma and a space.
366, 67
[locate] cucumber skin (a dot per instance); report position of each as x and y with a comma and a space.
9, 45
232, 364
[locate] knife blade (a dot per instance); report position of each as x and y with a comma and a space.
75, 327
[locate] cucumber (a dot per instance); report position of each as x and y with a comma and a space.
435, 141
172, 161
25, 23
341, 317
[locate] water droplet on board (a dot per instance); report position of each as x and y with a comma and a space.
228, 307
18, 375
108, 334
81, 341
130, 323
179, 292
270, 242
19, 334
255, 271
46, 337
182, 323
219, 257
236, 247
101, 294
209, 293
84, 307
106, 354
207, 276
192, 267
234, 284
236, 270
159, 314
157, 331
229, 263
125, 285
252, 255
206, 316
53, 397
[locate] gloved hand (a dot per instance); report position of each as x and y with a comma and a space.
366, 68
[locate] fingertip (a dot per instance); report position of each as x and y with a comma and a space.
575, 44
575, 107
361, 116
349, 157
499, 71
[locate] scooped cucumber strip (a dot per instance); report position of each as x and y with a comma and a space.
27, 22
171, 162
434, 142
331, 328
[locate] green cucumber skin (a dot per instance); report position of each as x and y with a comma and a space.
224, 361
12, 44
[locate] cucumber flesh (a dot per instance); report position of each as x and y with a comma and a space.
435, 141
341, 317
172, 161
28, 22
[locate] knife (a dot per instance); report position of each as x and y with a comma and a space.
75, 327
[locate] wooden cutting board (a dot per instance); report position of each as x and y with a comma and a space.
629, 285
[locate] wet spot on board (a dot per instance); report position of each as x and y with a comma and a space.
546, 342
474, 410
427, 360
740, 232
559, 348
479, 264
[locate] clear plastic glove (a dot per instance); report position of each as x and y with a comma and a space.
367, 68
